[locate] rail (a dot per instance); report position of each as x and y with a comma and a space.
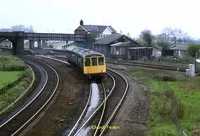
58, 81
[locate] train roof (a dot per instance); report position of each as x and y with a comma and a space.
83, 52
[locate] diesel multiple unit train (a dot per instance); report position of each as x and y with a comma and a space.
90, 62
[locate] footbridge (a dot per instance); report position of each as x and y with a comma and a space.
17, 38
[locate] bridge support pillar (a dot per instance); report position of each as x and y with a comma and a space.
39, 44
31, 44
44, 44
18, 43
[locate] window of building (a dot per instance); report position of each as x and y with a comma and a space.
94, 61
87, 62
101, 61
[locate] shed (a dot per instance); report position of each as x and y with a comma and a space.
179, 50
135, 53
104, 45
120, 50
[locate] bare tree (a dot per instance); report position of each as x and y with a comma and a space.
167, 32
18, 28
175, 35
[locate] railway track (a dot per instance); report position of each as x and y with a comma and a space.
108, 108
17, 122
96, 119
87, 104
155, 66
142, 64
114, 102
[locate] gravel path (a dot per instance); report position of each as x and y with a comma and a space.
130, 116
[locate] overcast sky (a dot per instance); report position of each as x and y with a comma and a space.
128, 16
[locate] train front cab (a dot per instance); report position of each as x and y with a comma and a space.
94, 66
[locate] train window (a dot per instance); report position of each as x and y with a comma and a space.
87, 62
94, 61
101, 61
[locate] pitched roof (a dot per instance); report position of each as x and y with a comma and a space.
182, 47
133, 48
97, 28
112, 29
108, 39
111, 38
123, 44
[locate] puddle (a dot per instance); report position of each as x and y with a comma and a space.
93, 105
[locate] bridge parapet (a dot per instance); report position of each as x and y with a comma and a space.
44, 36
51, 36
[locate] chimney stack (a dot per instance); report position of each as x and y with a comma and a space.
81, 22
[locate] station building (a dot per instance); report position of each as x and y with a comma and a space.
119, 46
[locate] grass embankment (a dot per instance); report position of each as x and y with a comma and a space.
7, 77
174, 104
10, 63
11, 69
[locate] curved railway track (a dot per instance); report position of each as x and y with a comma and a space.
68, 102
121, 89
99, 117
103, 111
113, 100
14, 124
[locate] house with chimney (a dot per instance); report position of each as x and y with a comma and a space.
100, 31
112, 44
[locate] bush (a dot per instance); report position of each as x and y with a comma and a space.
165, 78
168, 130
168, 78
160, 108
192, 49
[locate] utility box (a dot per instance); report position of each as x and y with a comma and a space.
191, 70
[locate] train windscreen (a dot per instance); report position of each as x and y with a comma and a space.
94, 61
101, 61
87, 61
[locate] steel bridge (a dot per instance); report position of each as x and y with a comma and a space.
17, 38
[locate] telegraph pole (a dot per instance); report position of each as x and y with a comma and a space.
195, 63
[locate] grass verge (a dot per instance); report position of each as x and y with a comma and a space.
174, 104
7, 77
13, 93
